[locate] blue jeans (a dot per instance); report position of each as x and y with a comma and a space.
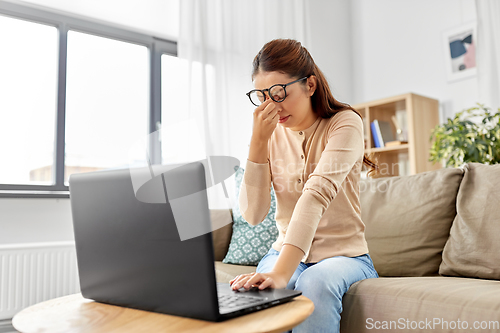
324, 283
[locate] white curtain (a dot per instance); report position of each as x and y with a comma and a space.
219, 39
488, 52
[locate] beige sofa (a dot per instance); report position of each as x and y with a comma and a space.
434, 238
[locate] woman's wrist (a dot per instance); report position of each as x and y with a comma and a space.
288, 261
258, 151
258, 142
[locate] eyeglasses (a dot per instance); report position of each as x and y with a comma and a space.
277, 93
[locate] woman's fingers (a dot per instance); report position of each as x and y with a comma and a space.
273, 115
238, 284
272, 118
247, 281
266, 283
265, 120
239, 281
263, 105
252, 280
260, 280
236, 279
267, 110
261, 109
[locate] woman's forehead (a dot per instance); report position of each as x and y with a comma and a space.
263, 80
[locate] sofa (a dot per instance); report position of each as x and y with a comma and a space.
434, 238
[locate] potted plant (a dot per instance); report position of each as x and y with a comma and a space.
473, 135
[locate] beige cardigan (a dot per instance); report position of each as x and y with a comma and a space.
315, 174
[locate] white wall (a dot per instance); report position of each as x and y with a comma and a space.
331, 44
35, 220
398, 48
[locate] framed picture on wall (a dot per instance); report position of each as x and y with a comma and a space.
460, 51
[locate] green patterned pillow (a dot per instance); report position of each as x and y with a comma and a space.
250, 243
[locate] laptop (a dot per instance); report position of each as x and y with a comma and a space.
130, 252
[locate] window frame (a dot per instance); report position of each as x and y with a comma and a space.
64, 23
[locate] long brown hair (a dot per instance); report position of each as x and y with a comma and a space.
288, 56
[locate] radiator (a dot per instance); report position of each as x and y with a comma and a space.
35, 272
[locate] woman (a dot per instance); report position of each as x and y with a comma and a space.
313, 159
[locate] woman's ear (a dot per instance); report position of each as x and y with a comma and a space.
312, 84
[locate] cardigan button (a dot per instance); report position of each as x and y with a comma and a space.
300, 133
302, 156
299, 181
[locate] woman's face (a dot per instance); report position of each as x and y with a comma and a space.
295, 111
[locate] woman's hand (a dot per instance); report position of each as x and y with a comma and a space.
262, 280
265, 119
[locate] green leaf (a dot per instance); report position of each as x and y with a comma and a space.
461, 140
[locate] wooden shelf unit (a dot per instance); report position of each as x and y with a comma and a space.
422, 115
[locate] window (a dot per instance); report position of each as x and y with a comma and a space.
176, 120
107, 102
28, 89
75, 96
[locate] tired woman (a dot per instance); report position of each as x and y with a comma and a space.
310, 147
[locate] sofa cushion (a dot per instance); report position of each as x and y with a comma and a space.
413, 301
250, 243
473, 249
408, 220
226, 272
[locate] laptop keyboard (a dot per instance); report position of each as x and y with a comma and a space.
232, 301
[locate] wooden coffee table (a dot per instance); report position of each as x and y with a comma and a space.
74, 313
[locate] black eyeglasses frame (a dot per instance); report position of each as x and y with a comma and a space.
263, 91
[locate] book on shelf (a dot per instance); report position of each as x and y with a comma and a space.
376, 134
385, 132
382, 133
